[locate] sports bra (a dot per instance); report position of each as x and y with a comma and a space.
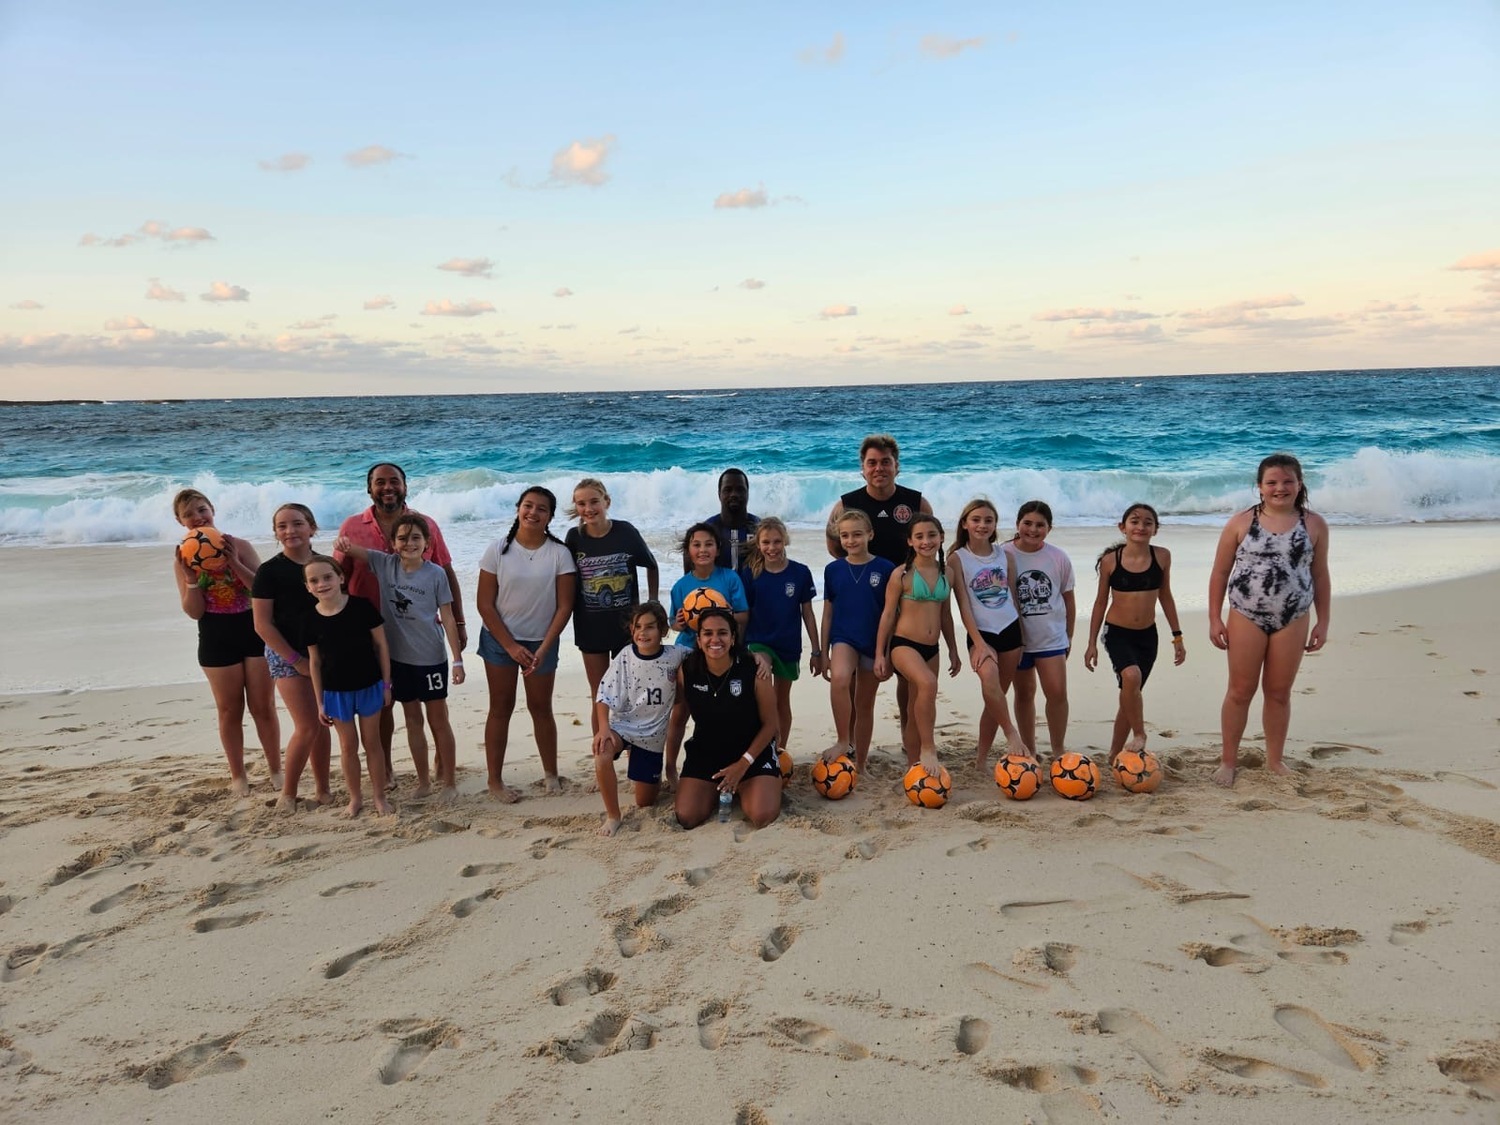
1132, 581
921, 592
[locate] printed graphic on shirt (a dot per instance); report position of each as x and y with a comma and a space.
1033, 593
604, 580
990, 590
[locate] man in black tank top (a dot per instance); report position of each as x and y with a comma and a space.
890, 507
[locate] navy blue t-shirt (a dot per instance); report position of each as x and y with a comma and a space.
776, 602
857, 594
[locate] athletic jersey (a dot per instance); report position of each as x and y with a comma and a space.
726, 717
639, 692
607, 584
726, 582
986, 581
346, 651
857, 594
279, 581
1042, 578
776, 602
409, 602
1132, 581
732, 540
891, 518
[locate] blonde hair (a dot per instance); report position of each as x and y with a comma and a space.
751, 557
588, 482
185, 497
961, 533
856, 515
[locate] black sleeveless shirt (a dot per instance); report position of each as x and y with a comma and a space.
726, 717
892, 518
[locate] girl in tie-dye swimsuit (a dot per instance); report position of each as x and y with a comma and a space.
1271, 578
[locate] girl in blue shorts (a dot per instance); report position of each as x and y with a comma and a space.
1044, 600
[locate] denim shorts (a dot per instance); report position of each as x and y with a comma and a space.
491, 653
345, 705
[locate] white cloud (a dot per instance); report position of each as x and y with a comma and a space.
286, 162
125, 324
631, 331
381, 302
187, 234
1237, 314
1126, 333
223, 291
372, 155
959, 310
562, 291
830, 55
1487, 260
28, 305
833, 312
745, 197
151, 228
1108, 314
445, 307
308, 325
946, 47
582, 162
752, 283
92, 239
469, 267
156, 291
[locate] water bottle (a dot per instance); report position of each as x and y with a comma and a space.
726, 802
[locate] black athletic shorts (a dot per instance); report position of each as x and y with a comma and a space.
1006, 640
227, 639
1128, 647
702, 763
418, 683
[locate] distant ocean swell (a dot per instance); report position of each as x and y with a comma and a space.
1372, 486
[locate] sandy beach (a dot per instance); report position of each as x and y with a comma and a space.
1318, 945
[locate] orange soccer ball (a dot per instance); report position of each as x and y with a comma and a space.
1075, 776
784, 761
1137, 771
834, 780
1018, 777
697, 601
926, 791
204, 549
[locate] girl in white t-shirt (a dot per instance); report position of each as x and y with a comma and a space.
1044, 600
525, 596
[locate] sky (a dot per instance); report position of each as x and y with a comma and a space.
335, 198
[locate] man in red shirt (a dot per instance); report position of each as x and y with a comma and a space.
386, 484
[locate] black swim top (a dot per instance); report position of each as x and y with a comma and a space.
1133, 581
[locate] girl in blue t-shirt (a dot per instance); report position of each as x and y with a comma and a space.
781, 593
700, 553
853, 600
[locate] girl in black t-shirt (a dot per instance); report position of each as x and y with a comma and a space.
351, 675
733, 748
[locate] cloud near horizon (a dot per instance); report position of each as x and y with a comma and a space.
745, 197
151, 228
125, 324
223, 291
28, 305
156, 291
381, 302
752, 283
562, 291
286, 162
1123, 333
834, 312
959, 310
1109, 314
1486, 260
947, 47
372, 156
469, 267
582, 162
446, 307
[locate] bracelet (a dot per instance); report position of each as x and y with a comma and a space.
458, 664
458, 621
815, 652
1176, 633
749, 757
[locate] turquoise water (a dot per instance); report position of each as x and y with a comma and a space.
1379, 447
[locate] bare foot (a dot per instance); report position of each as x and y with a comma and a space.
239, 786
354, 809
383, 807
390, 784
324, 798
1279, 769
447, 795
1224, 776
423, 789
503, 793
836, 750
1016, 746
553, 784
929, 762
982, 759
277, 780
609, 827
285, 804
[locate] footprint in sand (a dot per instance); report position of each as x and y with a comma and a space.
1480, 1072
711, 1029
221, 894
225, 922
7, 902
90, 860
751, 1114
866, 849
471, 870
411, 1050
697, 876
1041, 1079
540, 849
776, 943
1146, 1040
608, 1033
342, 965
1463, 779
1059, 957
809, 883
1042, 908
202, 1059
634, 933
22, 961
345, 888
1245, 1066
1071, 1107
292, 855
820, 1038
1404, 933
985, 978
1222, 956
1314, 956
109, 902
466, 906
1255, 804
1312, 1030
964, 849
973, 1035
580, 986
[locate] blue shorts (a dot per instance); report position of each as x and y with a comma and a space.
1029, 659
279, 668
491, 653
343, 706
645, 765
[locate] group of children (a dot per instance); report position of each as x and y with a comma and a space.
343, 660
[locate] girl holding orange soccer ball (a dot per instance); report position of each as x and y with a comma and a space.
1133, 577
232, 656
704, 582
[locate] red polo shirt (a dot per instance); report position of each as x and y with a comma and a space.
365, 531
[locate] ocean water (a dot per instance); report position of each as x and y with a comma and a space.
1385, 447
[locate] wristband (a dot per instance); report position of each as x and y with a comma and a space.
458, 621
458, 664
815, 652
1176, 633
749, 757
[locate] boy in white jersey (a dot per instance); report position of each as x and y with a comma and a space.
633, 706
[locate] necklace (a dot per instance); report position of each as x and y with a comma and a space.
716, 683
860, 573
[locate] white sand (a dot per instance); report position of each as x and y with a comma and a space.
1320, 946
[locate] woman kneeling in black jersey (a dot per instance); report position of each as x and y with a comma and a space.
733, 747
